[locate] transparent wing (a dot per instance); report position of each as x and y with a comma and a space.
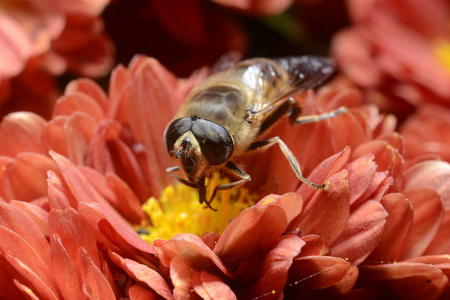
303, 73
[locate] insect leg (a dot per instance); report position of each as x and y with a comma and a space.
290, 157
235, 171
320, 117
290, 104
182, 180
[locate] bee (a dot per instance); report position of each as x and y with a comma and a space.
221, 119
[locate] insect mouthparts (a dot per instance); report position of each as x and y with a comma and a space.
194, 117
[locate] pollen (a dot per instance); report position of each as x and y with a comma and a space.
441, 49
178, 210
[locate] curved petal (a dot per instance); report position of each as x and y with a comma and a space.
209, 286
404, 280
441, 243
21, 132
428, 214
362, 233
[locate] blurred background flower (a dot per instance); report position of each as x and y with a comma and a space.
87, 209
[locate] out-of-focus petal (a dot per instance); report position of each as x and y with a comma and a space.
21, 132
260, 8
28, 169
404, 280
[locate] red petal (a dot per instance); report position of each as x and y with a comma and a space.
26, 177
274, 269
43, 288
38, 215
90, 88
361, 173
78, 130
144, 275
139, 292
54, 136
214, 287
362, 232
78, 102
315, 245
404, 280
347, 283
95, 284
316, 272
428, 215
21, 132
257, 227
59, 194
396, 229
181, 269
432, 173
328, 167
291, 203
66, 275
328, 211
118, 89
191, 246
441, 243
74, 233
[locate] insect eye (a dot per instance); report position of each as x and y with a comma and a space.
214, 140
176, 129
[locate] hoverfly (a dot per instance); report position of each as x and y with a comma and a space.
222, 117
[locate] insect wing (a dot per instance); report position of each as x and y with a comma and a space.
306, 72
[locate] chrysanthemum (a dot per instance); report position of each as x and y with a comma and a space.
73, 189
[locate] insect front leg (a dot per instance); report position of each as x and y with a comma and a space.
235, 171
290, 157
320, 117
171, 170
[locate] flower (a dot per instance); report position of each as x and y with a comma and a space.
35, 34
425, 132
72, 190
396, 50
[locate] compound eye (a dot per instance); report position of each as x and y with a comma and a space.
216, 143
173, 132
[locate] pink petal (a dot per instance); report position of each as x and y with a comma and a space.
118, 90
79, 129
90, 88
95, 284
441, 243
274, 269
68, 224
21, 229
398, 224
59, 194
257, 227
347, 283
144, 275
25, 178
43, 288
38, 215
316, 272
78, 101
378, 187
212, 286
428, 215
181, 269
53, 136
139, 292
328, 167
404, 280
314, 245
21, 132
328, 211
66, 275
362, 232
431, 173
107, 221
361, 173
190, 246
291, 203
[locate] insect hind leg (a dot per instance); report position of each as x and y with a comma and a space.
290, 157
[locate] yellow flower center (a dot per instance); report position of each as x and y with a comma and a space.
179, 210
441, 49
